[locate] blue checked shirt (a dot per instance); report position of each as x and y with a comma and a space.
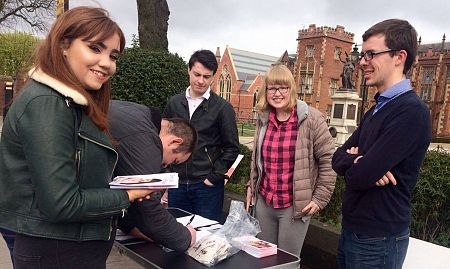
391, 93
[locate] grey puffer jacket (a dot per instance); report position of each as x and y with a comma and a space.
314, 178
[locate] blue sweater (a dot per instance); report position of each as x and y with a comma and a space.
394, 139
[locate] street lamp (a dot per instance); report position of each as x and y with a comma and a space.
355, 55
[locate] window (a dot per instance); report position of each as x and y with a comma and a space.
309, 51
255, 98
306, 86
225, 84
333, 86
427, 82
329, 107
337, 53
351, 112
338, 111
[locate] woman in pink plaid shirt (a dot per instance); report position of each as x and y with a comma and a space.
291, 177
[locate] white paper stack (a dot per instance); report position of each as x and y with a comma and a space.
151, 181
254, 246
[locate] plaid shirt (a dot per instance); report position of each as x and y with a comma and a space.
278, 155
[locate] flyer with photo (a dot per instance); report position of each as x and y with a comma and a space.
254, 246
150, 181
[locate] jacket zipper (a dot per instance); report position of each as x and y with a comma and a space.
293, 181
102, 145
258, 162
114, 167
78, 161
209, 158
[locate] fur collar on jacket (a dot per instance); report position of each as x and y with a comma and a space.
41, 77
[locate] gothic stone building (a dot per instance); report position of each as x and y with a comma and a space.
431, 80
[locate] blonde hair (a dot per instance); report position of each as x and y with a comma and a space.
279, 75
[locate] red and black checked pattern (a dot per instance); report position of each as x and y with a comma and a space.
278, 155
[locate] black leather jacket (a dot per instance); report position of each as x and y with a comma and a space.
218, 142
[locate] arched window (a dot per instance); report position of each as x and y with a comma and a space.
225, 84
255, 101
255, 98
220, 84
428, 73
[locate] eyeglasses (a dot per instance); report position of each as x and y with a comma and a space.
368, 55
273, 90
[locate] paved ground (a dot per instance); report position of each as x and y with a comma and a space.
115, 261
5, 259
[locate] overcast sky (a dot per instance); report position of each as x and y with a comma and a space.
271, 26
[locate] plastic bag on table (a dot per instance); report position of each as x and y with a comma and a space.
217, 246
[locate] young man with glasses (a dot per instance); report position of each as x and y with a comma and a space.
381, 160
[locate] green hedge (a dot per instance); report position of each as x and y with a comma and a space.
242, 174
430, 201
149, 77
441, 140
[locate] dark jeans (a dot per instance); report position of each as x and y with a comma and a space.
358, 251
200, 199
9, 237
39, 253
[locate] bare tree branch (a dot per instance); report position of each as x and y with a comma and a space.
21, 14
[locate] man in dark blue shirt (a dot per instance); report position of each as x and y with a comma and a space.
381, 160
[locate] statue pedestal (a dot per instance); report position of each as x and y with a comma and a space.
343, 114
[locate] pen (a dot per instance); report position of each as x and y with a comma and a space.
190, 220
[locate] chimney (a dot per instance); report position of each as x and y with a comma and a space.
218, 55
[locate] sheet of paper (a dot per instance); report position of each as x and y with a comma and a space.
234, 165
210, 228
198, 221
201, 234
151, 181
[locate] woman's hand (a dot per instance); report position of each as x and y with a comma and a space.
311, 208
139, 194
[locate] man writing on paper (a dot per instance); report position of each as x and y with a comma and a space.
142, 151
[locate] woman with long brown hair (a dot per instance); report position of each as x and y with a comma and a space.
56, 153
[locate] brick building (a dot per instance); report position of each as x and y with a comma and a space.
431, 80
239, 77
318, 67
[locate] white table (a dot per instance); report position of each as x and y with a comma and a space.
422, 254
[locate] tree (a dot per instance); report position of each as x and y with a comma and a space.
15, 52
35, 14
153, 17
149, 77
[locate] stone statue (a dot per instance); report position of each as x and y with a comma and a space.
347, 72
